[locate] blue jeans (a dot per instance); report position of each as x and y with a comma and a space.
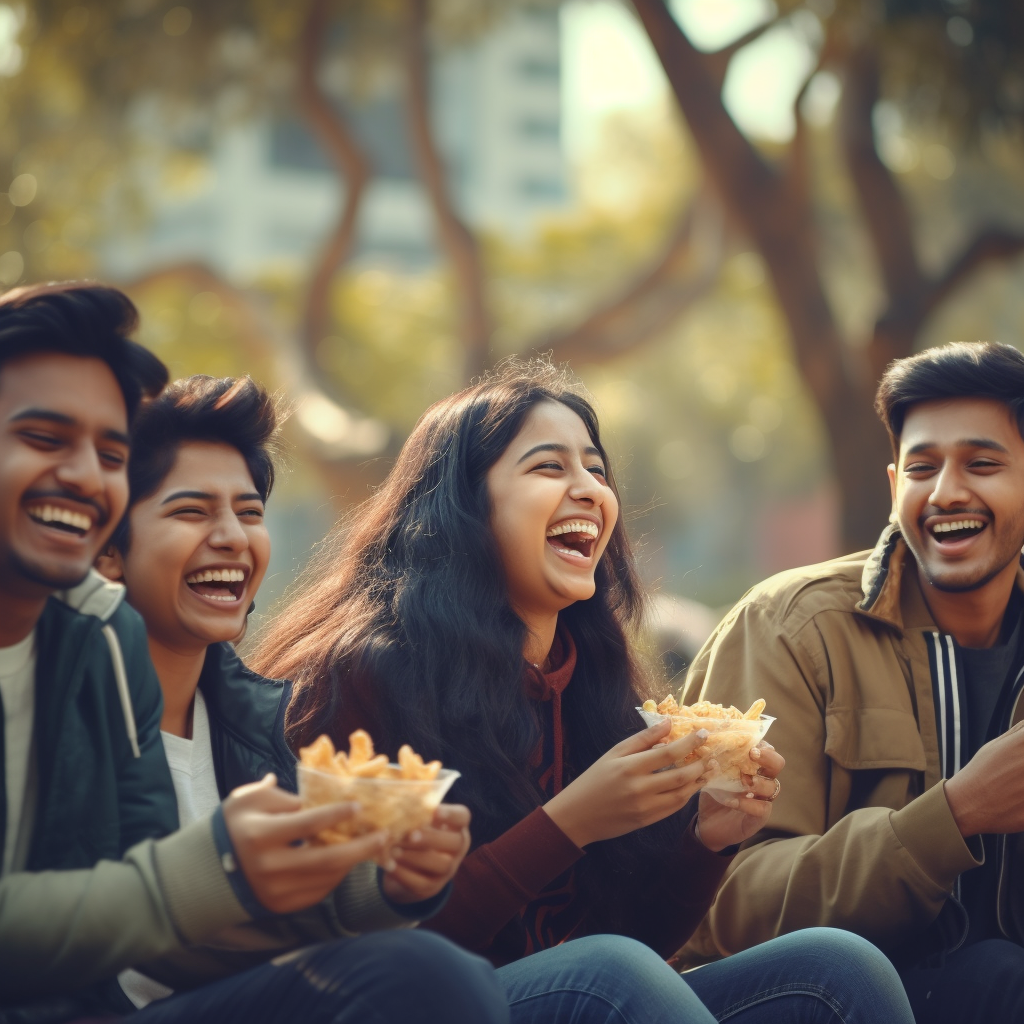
391, 977
817, 976
977, 984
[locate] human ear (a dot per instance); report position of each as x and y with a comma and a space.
110, 564
891, 470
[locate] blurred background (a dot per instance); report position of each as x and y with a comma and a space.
726, 215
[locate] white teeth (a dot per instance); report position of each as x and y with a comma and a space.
588, 528
50, 514
960, 524
216, 576
570, 551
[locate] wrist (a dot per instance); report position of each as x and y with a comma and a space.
961, 806
561, 813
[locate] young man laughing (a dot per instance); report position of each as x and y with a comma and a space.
87, 885
896, 678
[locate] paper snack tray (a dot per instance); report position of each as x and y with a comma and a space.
398, 805
730, 741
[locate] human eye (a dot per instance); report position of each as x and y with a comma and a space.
549, 466
254, 514
113, 458
39, 438
598, 471
984, 465
918, 468
187, 512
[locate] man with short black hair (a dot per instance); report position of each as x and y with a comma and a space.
895, 676
87, 886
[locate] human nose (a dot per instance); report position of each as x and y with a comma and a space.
949, 488
227, 533
585, 487
81, 472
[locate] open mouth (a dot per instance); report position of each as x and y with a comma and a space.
957, 529
218, 584
576, 538
63, 519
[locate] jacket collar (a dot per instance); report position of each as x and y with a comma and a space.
891, 587
95, 595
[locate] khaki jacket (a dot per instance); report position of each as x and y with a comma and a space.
861, 836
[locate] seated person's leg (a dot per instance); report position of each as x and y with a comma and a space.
982, 982
599, 979
814, 976
395, 977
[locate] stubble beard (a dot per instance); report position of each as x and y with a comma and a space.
949, 583
52, 579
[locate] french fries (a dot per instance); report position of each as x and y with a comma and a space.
397, 797
732, 734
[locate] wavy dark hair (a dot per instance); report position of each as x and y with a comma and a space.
80, 318
235, 411
402, 625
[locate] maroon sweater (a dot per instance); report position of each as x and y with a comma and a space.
516, 895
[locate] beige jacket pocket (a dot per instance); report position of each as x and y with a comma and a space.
862, 738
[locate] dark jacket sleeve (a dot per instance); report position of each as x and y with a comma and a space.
146, 797
499, 879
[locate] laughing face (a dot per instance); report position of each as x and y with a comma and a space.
63, 481
958, 492
198, 549
552, 512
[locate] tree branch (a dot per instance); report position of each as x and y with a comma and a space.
342, 149
881, 202
648, 305
989, 245
718, 60
475, 327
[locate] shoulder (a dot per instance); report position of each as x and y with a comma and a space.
790, 600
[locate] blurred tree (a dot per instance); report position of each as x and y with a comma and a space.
966, 59
108, 103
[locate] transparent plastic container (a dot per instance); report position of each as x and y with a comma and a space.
730, 741
398, 805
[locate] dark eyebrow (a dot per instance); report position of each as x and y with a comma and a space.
177, 495
204, 496
967, 442
562, 449
66, 421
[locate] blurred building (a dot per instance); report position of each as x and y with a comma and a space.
270, 195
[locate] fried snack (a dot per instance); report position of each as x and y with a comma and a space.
397, 797
732, 734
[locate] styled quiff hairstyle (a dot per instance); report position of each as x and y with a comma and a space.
963, 369
235, 411
85, 320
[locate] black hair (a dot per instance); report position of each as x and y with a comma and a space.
403, 625
235, 411
962, 369
81, 319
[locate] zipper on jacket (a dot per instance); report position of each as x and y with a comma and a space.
1001, 858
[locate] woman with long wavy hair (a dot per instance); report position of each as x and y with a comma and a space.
482, 606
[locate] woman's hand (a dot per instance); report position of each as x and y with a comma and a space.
724, 819
623, 789
427, 859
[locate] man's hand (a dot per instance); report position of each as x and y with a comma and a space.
987, 794
427, 859
271, 830
724, 819
634, 784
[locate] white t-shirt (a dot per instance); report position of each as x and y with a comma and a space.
18, 692
195, 786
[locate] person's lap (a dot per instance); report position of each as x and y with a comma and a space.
982, 982
391, 977
821, 976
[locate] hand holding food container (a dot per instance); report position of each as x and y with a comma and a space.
732, 734
395, 797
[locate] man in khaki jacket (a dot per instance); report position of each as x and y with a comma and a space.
895, 676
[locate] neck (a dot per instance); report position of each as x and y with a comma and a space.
178, 672
18, 617
540, 635
974, 617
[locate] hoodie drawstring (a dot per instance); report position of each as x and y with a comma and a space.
121, 676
